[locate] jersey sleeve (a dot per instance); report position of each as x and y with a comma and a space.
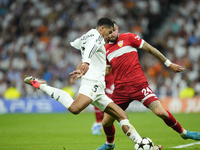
76, 43
92, 45
136, 41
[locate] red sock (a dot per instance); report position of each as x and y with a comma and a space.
173, 123
98, 114
110, 133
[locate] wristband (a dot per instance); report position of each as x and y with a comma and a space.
167, 63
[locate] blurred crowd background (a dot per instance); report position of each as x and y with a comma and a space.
35, 37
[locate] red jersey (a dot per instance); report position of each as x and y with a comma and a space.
123, 58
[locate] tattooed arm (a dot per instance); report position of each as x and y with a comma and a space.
174, 67
152, 50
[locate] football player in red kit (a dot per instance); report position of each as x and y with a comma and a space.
131, 84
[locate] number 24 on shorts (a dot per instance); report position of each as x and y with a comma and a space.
146, 91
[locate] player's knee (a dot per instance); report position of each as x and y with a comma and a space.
162, 114
75, 110
107, 123
122, 116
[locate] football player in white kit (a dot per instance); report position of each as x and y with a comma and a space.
92, 74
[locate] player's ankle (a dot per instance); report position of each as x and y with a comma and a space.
42, 87
110, 143
183, 133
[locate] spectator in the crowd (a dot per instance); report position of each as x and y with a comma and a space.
35, 33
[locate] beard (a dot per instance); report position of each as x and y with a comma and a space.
113, 40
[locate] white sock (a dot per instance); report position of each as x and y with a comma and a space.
110, 143
183, 133
63, 97
131, 133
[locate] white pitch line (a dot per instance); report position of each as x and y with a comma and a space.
186, 145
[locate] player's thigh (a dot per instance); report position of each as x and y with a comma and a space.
82, 100
150, 100
116, 112
120, 95
145, 95
101, 101
158, 109
80, 103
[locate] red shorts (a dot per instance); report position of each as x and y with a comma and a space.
124, 95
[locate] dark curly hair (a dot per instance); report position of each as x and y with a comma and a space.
105, 21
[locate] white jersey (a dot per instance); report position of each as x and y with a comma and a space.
93, 52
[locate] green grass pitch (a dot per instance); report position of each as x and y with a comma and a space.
73, 132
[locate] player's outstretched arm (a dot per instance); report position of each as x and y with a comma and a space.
174, 67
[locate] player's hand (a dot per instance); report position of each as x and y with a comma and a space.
75, 76
72, 80
176, 68
84, 68
79, 73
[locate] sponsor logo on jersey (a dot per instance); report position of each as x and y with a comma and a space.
137, 37
120, 43
86, 36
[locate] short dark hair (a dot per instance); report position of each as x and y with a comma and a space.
114, 22
105, 21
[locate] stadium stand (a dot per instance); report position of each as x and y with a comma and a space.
35, 38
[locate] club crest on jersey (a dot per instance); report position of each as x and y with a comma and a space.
91, 94
120, 43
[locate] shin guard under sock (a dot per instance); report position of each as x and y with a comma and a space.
63, 97
110, 133
131, 133
173, 123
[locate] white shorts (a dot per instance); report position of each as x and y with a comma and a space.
95, 90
